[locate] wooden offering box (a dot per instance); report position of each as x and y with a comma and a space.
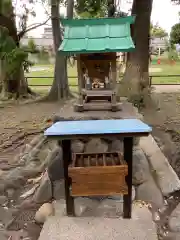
99, 174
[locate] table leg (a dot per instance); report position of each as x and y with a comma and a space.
128, 153
67, 157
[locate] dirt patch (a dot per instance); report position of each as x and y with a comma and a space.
18, 125
164, 116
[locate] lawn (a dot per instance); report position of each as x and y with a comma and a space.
47, 74
165, 68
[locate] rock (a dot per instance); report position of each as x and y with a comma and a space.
44, 192
83, 207
27, 204
10, 192
58, 189
5, 215
3, 200
2, 188
37, 140
55, 164
120, 198
166, 177
44, 212
109, 208
150, 193
116, 146
14, 179
174, 220
96, 145
31, 170
1, 173
43, 154
141, 171
77, 146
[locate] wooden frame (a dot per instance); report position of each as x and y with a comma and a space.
108, 76
67, 160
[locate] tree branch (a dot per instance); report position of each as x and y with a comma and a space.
32, 27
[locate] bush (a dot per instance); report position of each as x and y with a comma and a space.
172, 55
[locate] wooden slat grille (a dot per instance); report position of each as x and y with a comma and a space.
99, 159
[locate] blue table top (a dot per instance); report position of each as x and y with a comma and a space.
98, 127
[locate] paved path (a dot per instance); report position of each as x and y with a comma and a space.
166, 88
140, 227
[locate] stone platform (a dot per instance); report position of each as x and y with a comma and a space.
140, 227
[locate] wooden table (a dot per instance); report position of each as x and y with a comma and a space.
126, 128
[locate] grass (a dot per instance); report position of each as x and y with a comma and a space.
166, 69
35, 76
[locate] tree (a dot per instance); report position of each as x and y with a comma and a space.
32, 46
11, 59
91, 8
7, 19
175, 34
60, 88
157, 32
136, 78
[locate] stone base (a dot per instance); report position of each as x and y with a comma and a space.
140, 227
78, 108
97, 106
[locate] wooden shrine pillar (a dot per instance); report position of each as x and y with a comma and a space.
80, 80
114, 81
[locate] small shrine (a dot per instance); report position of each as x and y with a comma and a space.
95, 43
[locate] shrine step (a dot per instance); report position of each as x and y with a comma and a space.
140, 227
101, 106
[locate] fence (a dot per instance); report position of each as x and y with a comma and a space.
75, 77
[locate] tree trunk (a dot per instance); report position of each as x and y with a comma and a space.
17, 84
59, 89
70, 8
135, 83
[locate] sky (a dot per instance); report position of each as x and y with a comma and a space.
164, 13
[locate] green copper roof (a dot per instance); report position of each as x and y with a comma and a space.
97, 35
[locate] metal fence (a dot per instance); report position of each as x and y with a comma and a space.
75, 77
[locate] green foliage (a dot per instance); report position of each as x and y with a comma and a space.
32, 46
175, 34
90, 8
157, 31
11, 56
172, 55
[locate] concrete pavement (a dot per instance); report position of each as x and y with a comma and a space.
140, 227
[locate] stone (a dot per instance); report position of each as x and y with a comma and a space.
5, 215
31, 170
44, 192
1, 173
43, 154
3, 200
45, 211
55, 164
174, 220
150, 193
14, 179
37, 139
2, 188
83, 207
77, 146
109, 208
166, 177
58, 189
10, 192
96, 145
141, 171
116, 146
